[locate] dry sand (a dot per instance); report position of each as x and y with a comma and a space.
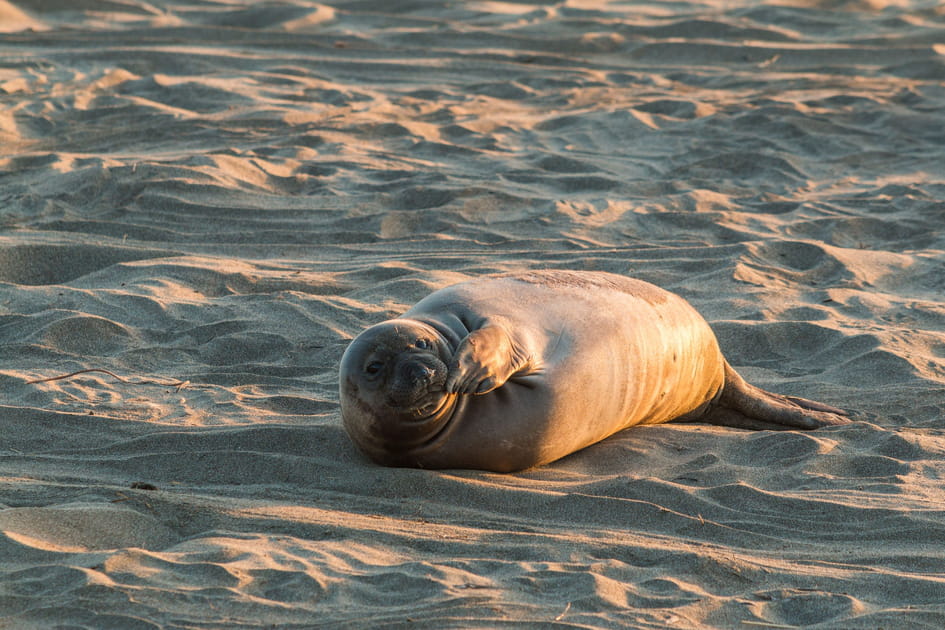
222, 194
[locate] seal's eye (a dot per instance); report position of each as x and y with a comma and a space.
423, 344
374, 367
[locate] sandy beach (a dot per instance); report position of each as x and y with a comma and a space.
205, 201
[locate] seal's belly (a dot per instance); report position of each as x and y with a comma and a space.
632, 363
608, 359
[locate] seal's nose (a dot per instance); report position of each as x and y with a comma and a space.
418, 372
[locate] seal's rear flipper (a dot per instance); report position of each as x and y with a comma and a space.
723, 417
813, 405
745, 406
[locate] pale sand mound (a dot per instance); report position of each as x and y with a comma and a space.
82, 527
211, 199
13, 19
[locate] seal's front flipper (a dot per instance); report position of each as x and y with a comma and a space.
745, 406
484, 361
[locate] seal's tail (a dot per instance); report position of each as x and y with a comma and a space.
745, 406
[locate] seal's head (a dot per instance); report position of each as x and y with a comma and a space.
391, 384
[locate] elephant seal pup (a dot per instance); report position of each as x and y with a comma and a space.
508, 372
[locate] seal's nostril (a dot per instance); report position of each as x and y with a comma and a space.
419, 372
